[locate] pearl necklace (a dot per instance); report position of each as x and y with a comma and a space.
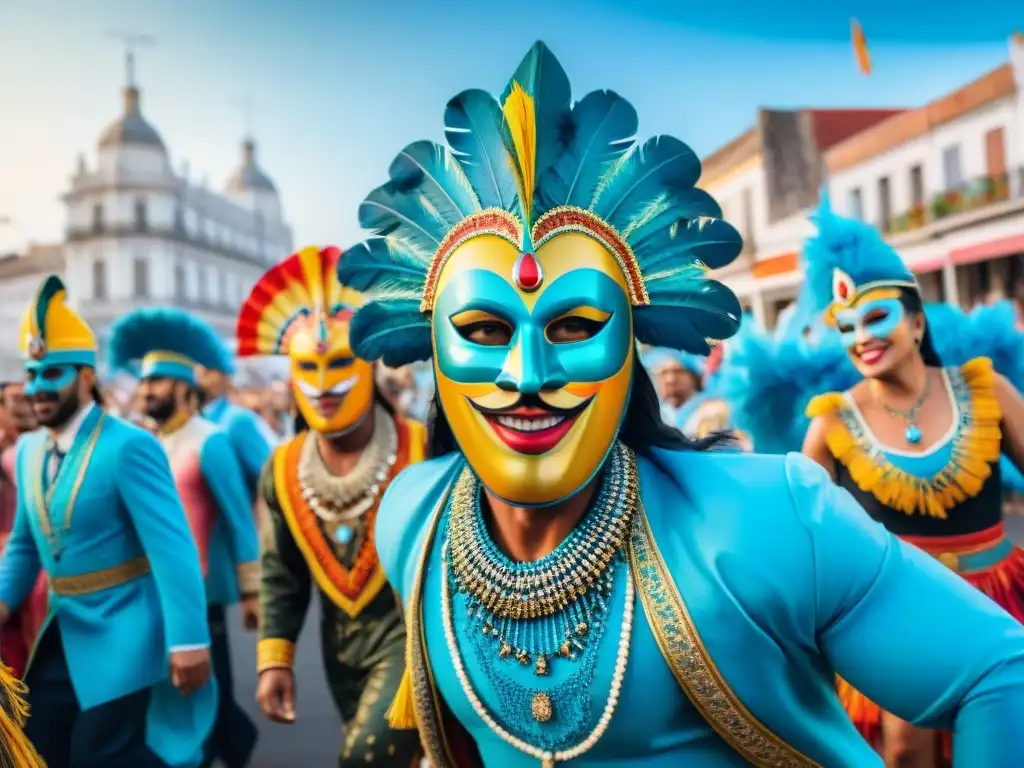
547, 759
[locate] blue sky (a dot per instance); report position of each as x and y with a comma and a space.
340, 85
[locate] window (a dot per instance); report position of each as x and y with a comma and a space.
140, 278
855, 203
97, 217
140, 215
916, 186
884, 203
179, 281
99, 279
953, 175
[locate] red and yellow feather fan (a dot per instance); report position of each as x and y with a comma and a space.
293, 294
860, 47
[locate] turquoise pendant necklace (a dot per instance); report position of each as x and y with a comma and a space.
912, 432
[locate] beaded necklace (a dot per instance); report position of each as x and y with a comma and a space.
555, 606
546, 609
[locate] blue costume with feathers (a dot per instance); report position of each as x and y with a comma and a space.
208, 466
743, 618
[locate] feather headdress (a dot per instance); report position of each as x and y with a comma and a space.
166, 342
848, 257
528, 167
301, 292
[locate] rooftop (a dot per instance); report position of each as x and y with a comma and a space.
38, 259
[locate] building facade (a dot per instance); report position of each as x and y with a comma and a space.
20, 276
141, 234
945, 183
766, 180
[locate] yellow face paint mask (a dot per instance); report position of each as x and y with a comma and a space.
333, 388
533, 356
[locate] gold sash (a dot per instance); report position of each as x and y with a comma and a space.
677, 637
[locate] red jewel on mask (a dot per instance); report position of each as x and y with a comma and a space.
844, 291
527, 272
321, 347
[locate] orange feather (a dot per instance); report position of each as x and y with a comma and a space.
860, 47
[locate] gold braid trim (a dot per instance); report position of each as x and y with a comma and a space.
15, 749
976, 447
274, 653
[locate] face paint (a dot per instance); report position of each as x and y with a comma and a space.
41, 378
333, 388
534, 383
873, 318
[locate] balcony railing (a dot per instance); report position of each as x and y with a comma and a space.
972, 196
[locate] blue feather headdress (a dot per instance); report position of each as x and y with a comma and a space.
166, 343
656, 358
848, 257
528, 167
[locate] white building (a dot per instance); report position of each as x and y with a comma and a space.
140, 234
946, 184
765, 180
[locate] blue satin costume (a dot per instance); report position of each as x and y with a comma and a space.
253, 444
756, 579
888, 618
218, 495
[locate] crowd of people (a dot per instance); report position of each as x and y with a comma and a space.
514, 461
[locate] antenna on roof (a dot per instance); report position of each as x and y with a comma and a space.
131, 42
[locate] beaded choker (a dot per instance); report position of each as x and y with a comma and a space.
546, 609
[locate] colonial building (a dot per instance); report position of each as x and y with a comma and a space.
139, 233
946, 184
766, 180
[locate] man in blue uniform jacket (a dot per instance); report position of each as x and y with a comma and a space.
120, 675
168, 345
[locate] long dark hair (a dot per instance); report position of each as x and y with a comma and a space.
912, 303
642, 425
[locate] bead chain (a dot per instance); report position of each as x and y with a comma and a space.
547, 759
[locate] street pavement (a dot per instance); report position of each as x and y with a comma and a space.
314, 740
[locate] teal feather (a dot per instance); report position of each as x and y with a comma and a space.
51, 286
601, 128
432, 171
473, 128
649, 179
391, 330
686, 311
712, 242
375, 266
542, 77
389, 211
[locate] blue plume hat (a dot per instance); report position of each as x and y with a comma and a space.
527, 167
658, 357
848, 257
166, 343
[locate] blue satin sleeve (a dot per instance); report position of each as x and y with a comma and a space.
223, 475
252, 446
20, 564
147, 489
908, 632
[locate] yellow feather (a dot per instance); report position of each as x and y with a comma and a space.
521, 120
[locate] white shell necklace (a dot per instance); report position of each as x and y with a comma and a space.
547, 759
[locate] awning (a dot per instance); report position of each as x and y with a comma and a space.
993, 249
776, 265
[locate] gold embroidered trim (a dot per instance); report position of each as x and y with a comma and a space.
248, 575
274, 653
97, 581
692, 666
976, 447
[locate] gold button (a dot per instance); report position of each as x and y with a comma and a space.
949, 560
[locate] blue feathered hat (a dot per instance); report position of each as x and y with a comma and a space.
527, 167
848, 257
166, 343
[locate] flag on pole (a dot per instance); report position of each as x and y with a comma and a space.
860, 47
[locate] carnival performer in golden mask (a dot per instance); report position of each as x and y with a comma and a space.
320, 493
